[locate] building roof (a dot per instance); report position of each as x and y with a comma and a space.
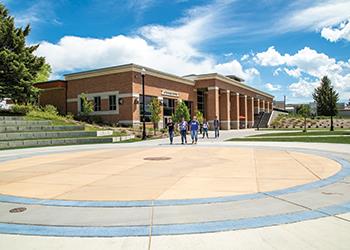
189, 79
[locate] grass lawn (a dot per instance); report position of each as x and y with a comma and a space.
344, 140
309, 133
310, 136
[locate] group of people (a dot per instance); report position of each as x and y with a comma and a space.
194, 127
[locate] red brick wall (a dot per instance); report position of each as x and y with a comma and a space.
55, 97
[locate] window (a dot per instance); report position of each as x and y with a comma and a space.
97, 103
201, 101
112, 102
81, 105
147, 107
168, 106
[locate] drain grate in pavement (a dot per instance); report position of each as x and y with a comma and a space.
162, 158
18, 210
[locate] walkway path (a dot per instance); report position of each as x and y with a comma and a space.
311, 216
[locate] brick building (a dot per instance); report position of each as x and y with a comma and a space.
117, 94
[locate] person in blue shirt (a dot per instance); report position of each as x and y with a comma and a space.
183, 130
194, 126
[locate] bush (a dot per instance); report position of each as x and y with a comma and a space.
23, 109
50, 109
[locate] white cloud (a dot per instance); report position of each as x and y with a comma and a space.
329, 17
172, 49
320, 14
245, 57
277, 71
293, 72
303, 88
234, 67
311, 63
272, 87
336, 34
269, 58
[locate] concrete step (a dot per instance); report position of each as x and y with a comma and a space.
12, 118
4, 129
23, 122
52, 135
63, 141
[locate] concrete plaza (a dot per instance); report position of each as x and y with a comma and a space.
214, 195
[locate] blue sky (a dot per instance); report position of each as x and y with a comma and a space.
282, 47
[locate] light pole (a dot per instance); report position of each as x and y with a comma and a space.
143, 73
331, 107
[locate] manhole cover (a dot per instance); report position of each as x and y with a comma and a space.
18, 210
157, 158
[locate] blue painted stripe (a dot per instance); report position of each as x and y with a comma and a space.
173, 229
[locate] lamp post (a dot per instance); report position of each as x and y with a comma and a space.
143, 73
331, 107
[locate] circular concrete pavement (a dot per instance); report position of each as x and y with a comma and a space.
160, 173
144, 190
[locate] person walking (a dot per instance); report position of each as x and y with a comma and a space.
183, 130
205, 128
216, 127
194, 127
170, 125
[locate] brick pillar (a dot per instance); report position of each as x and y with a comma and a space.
271, 107
263, 106
213, 105
161, 121
268, 107
194, 103
250, 111
225, 120
235, 111
243, 107
256, 106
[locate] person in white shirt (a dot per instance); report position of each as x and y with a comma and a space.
205, 128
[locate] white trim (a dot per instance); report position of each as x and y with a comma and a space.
72, 99
105, 112
232, 82
123, 95
213, 88
103, 95
127, 68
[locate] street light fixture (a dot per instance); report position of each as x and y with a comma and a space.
331, 107
143, 73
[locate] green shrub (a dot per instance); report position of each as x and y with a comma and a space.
23, 109
50, 109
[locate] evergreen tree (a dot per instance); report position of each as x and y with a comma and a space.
155, 110
326, 99
18, 66
181, 111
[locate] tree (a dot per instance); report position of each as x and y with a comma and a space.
86, 106
305, 111
199, 116
44, 73
326, 99
18, 65
181, 111
155, 110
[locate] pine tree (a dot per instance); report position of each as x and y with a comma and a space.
326, 99
18, 66
181, 111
